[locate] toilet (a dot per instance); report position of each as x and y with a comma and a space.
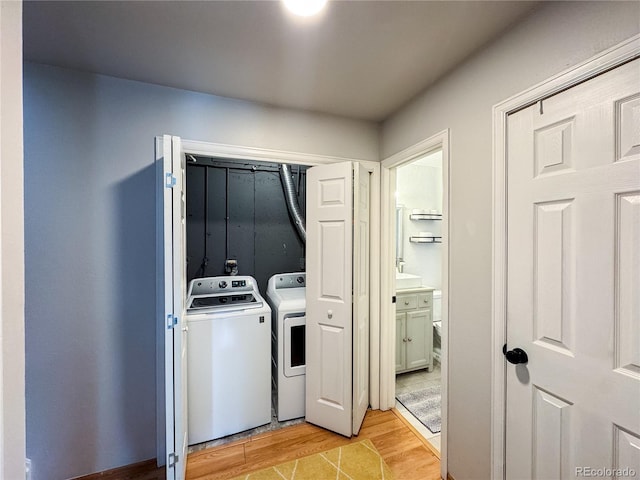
437, 324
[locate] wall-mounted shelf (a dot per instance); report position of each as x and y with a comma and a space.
425, 239
425, 216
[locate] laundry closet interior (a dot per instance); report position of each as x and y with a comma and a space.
236, 210
245, 272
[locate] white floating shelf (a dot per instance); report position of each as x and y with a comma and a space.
425, 239
425, 216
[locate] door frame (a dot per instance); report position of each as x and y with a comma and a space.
439, 141
242, 153
600, 63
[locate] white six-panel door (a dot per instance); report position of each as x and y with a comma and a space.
172, 286
573, 300
330, 348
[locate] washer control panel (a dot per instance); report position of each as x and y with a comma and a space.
216, 285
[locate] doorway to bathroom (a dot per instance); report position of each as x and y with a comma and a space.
416, 263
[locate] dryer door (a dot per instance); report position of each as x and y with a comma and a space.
294, 345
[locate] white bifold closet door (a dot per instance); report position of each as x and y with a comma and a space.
337, 332
171, 292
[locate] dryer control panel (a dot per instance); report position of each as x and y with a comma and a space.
291, 280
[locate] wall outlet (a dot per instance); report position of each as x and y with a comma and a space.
27, 469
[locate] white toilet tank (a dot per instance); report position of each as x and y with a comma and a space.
437, 306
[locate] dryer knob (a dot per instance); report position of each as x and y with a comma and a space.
222, 284
300, 280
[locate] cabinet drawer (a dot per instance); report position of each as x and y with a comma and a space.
425, 300
407, 302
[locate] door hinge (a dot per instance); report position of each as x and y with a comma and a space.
173, 460
171, 321
393, 299
169, 180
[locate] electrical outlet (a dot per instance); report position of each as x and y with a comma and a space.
27, 469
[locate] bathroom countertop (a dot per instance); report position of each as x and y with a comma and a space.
420, 289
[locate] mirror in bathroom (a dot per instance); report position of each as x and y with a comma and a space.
399, 238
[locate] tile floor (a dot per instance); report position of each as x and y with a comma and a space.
409, 382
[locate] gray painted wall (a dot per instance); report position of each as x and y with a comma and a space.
553, 38
90, 240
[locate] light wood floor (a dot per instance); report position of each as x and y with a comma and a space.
404, 451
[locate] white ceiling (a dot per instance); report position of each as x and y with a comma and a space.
360, 59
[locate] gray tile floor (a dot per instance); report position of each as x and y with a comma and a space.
410, 382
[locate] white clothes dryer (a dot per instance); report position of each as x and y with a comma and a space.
228, 357
286, 295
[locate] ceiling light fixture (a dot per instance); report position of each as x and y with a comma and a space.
305, 8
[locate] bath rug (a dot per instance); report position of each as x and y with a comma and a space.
355, 461
425, 405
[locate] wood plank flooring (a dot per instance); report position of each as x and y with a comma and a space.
403, 450
146, 470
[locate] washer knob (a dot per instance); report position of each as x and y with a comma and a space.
222, 284
300, 280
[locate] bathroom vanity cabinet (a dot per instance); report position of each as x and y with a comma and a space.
414, 327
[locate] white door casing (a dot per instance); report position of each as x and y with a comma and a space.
169, 419
573, 273
361, 286
330, 347
388, 325
172, 269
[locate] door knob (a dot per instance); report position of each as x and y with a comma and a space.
515, 356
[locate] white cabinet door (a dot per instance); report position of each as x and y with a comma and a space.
573, 273
418, 344
331, 283
414, 336
401, 342
171, 298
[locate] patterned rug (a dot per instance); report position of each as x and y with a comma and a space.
356, 461
425, 405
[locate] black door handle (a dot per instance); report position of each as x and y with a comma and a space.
515, 356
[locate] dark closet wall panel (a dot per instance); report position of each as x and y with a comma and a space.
215, 239
241, 230
205, 226
278, 247
259, 233
195, 223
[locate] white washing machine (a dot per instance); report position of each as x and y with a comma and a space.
286, 295
229, 388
